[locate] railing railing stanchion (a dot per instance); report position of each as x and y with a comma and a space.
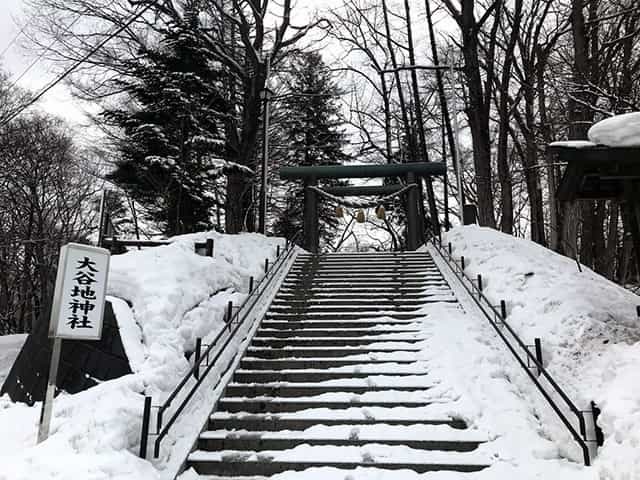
146, 418
538, 347
196, 358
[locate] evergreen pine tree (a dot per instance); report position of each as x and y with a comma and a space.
173, 148
311, 131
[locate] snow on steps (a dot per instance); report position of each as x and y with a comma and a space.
332, 378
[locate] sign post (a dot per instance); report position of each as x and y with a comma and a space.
77, 310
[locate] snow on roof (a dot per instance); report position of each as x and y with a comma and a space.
573, 144
619, 131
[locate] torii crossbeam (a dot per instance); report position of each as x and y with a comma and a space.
311, 175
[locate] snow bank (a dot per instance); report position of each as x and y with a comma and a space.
588, 325
619, 131
164, 298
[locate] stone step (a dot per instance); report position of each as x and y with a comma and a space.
282, 405
313, 363
368, 270
391, 296
310, 390
357, 276
309, 376
273, 423
368, 267
286, 353
361, 285
234, 463
321, 292
343, 316
362, 311
320, 324
367, 302
325, 257
312, 332
326, 342
216, 440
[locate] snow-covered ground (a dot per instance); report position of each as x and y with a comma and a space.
164, 298
589, 329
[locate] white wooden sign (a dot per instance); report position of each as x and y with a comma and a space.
81, 287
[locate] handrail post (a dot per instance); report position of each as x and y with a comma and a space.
266, 265
196, 359
229, 313
449, 248
462, 263
146, 418
538, 346
251, 284
503, 309
209, 247
480, 283
278, 250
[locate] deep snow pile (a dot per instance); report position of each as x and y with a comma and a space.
619, 131
175, 297
588, 326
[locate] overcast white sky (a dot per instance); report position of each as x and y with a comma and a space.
16, 61
58, 100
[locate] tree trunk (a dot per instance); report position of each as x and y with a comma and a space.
478, 115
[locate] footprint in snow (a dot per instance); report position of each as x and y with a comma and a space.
367, 457
354, 434
368, 415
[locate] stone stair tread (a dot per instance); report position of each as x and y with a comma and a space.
371, 432
371, 455
344, 401
374, 372
294, 363
307, 376
291, 390
337, 333
380, 338
352, 415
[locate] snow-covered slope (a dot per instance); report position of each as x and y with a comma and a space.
164, 299
588, 326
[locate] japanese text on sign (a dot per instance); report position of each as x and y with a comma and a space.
80, 292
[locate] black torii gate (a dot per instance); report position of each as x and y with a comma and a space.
412, 172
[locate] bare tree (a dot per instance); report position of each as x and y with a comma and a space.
479, 93
45, 193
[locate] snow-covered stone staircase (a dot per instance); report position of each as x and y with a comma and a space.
335, 377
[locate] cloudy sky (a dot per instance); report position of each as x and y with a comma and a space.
16, 61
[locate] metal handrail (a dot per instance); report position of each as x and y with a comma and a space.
162, 429
470, 287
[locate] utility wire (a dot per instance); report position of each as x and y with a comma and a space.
15, 39
47, 49
73, 67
